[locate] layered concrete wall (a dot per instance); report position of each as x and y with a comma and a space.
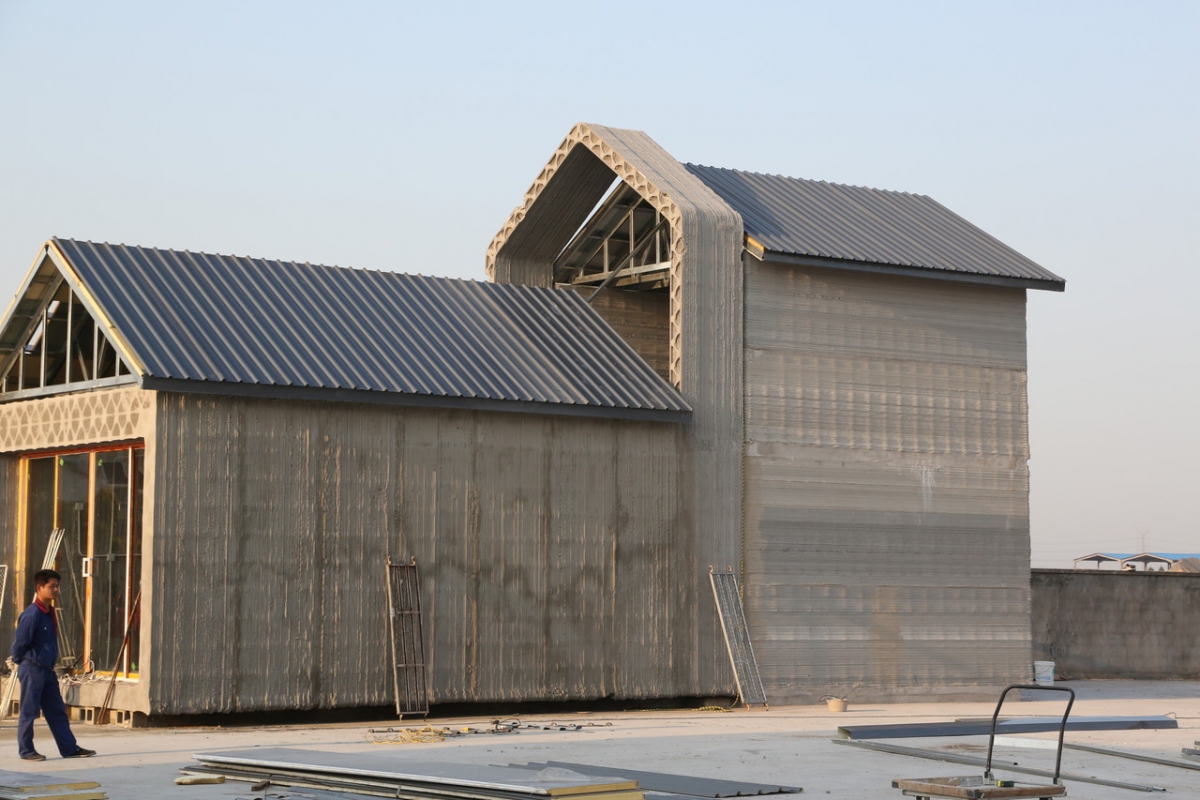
554, 555
1108, 624
705, 325
886, 518
642, 319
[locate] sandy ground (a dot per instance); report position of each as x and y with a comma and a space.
785, 745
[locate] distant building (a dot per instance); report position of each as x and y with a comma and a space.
1128, 561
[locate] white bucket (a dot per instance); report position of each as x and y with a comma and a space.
1043, 672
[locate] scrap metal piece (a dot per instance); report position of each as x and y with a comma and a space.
1103, 751
980, 727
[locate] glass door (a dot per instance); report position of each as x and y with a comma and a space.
95, 497
73, 513
109, 560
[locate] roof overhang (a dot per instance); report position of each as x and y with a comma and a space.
757, 251
410, 400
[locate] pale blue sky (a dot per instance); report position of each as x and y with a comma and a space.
400, 136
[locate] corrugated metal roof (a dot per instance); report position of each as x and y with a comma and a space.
212, 319
797, 217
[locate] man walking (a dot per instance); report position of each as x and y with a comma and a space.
35, 650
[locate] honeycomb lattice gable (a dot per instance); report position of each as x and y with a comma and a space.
76, 419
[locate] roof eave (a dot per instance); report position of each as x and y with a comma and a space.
183, 386
755, 249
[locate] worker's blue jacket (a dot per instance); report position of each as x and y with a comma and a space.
36, 641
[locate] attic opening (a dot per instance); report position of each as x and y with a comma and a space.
619, 261
60, 349
625, 244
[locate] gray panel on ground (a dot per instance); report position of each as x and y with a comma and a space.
983, 727
675, 784
366, 765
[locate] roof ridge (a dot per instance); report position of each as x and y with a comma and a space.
810, 180
269, 260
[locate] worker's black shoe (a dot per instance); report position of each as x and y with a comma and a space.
33, 757
82, 752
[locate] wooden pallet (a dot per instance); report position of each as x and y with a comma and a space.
972, 788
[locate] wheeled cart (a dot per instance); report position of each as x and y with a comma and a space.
980, 788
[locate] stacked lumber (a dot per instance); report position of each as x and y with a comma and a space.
26, 786
391, 776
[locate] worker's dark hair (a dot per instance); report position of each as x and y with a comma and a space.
44, 576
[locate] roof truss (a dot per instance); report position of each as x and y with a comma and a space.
625, 244
50, 342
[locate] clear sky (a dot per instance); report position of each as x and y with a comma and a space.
399, 136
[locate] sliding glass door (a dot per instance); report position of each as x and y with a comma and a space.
94, 497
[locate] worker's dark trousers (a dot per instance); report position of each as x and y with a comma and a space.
39, 691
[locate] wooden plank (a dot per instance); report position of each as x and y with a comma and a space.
972, 788
32, 782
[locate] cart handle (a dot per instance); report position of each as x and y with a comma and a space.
1062, 728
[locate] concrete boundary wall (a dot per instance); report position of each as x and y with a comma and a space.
1110, 624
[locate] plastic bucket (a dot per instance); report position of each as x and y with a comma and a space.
1043, 672
836, 704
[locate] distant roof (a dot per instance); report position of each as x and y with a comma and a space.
807, 219
1142, 558
238, 325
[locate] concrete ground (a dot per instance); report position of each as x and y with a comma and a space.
785, 745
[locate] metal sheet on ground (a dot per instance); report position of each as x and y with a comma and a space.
410, 790
371, 766
674, 784
980, 727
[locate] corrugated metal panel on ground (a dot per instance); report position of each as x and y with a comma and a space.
798, 217
233, 320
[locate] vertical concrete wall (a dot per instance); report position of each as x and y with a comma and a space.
641, 318
705, 328
553, 552
887, 533
1106, 624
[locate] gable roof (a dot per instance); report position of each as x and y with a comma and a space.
197, 322
834, 225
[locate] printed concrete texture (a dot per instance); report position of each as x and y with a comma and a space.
786, 745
